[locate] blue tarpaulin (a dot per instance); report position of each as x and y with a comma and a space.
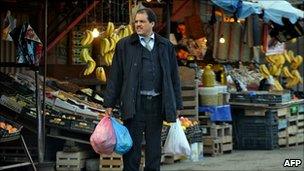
273, 10
217, 113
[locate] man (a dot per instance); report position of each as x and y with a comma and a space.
144, 80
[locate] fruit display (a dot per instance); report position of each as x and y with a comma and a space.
8, 127
9, 130
276, 69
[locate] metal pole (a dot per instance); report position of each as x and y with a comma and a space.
39, 120
168, 18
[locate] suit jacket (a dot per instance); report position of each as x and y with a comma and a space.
123, 82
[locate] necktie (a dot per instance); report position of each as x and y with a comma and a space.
147, 40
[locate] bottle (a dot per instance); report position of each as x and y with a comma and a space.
208, 77
223, 77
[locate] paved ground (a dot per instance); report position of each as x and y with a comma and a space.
244, 160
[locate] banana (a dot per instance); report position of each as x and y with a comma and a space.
91, 38
130, 28
296, 74
281, 60
291, 55
107, 59
277, 86
112, 44
292, 82
100, 74
273, 69
104, 46
286, 72
286, 55
296, 62
90, 67
83, 54
110, 28
85, 39
270, 59
264, 71
278, 72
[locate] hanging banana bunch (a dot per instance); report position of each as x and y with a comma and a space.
91, 64
109, 40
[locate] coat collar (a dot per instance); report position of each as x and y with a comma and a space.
158, 39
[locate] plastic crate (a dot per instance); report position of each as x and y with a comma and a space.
257, 130
270, 118
258, 143
4, 135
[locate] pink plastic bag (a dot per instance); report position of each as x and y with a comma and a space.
103, 139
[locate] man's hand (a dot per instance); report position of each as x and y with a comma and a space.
109, 111
178, 113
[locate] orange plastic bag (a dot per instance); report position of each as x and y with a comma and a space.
103, 139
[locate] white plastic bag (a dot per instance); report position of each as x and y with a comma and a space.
176, 142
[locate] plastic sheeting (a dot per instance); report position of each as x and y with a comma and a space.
273, 10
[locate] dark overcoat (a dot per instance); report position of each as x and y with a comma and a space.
125, 73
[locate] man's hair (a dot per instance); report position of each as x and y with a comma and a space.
149, 12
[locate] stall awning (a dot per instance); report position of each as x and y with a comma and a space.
272, 10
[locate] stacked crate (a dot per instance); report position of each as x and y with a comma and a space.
257, 129
217, 139
300, 135
217, 132
190, 100
189, 86
293, 133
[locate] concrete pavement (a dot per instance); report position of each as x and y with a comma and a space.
244, 160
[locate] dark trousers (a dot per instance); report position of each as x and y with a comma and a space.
146, 123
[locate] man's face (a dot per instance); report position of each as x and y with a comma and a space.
142, 25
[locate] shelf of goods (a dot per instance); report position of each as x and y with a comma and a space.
9, 129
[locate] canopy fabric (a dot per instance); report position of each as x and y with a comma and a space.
272, 10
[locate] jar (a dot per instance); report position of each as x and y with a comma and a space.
208, 77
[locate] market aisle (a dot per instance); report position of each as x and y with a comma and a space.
244, 160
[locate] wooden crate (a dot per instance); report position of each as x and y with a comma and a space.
71, 160
218, 131
111, 162
212, 146
190, 100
